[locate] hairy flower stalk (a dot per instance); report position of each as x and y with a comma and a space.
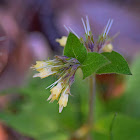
64, 68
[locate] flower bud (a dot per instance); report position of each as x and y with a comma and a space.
107, 48
40, 64
55, 92
63, 99
62, 41
44, 72
63, 67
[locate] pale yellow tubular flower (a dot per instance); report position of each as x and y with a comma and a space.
63, 99
62, 41
55, 92
44, 72
107, 48
39, 65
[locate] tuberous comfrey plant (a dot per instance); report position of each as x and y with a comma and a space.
64, 68
93, 57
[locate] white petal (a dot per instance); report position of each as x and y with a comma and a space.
84, 25
52, 85
88, 25
73, 32
60, 108
111, 22
50, 97
66, 28
106, 27
36, 75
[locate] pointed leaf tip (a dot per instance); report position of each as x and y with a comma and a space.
74, 48
118, 64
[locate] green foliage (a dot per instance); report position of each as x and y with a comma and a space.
92, 63
95, 62
118, 64
124, 128
74, 48
41, 120
129, 102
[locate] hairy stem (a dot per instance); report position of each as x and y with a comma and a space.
83, 132
111, 126
91, 101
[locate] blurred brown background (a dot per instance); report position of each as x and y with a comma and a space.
28, 30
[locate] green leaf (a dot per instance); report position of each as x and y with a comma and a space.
129, 102
74, 48
92, 63
118, 64
124, 128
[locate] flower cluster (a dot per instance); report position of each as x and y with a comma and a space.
64, 68
103, 42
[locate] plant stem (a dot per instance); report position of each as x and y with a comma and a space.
92, 85
111, 126
83, 132
91, 99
